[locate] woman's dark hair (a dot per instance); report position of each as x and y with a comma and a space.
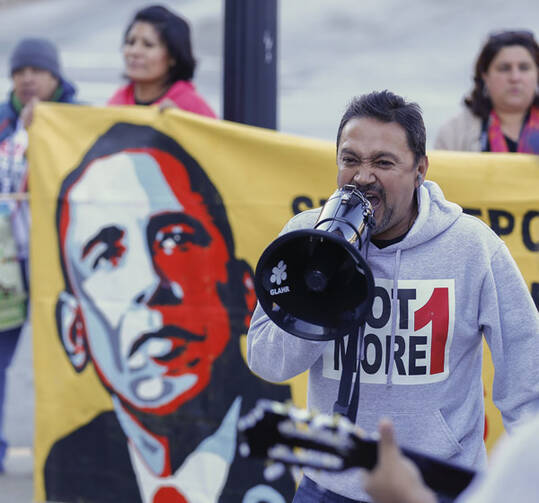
175, 33
478, 101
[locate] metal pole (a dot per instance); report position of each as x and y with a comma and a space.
250, 62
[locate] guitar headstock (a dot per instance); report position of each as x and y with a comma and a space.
290, 436
295, 437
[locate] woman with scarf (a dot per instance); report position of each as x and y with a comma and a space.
501, 114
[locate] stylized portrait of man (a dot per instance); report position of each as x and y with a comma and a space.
155, 299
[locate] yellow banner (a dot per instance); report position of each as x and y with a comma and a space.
110, 188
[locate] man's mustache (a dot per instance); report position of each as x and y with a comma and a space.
372, 187
168, 332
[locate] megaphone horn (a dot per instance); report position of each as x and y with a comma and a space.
315, 283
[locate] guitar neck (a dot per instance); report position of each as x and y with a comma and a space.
442, 477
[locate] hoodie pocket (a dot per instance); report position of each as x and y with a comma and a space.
426, 432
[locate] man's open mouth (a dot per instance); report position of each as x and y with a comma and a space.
373, 198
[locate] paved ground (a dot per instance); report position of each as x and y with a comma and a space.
16, 484
328, 52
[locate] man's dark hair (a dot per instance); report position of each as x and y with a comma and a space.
385, 106
175, 33
478, 101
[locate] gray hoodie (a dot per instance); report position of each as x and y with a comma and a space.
450, 281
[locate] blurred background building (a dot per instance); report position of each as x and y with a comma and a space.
327, 51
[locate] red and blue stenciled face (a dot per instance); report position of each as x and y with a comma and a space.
145, 260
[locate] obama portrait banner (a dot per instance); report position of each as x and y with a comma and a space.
146, 228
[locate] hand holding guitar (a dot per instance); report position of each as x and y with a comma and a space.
288, 436
395, 479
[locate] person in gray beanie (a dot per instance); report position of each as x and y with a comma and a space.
37, 53
36, 75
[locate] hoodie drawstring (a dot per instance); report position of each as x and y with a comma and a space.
394, 308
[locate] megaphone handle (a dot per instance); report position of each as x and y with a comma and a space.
342, 405
351, 413
354, 401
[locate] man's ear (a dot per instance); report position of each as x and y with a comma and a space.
422, 168
70, 326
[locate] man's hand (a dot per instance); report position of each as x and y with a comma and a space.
27, 113
395, 479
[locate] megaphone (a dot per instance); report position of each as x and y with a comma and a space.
315, 283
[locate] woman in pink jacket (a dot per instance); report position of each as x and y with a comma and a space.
159, 63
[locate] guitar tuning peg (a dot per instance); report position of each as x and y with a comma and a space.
274, 471
246, 422
244, 450
280, 408
342, 422
345, 426
321, 422
301, 415
289, 408
258, 414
